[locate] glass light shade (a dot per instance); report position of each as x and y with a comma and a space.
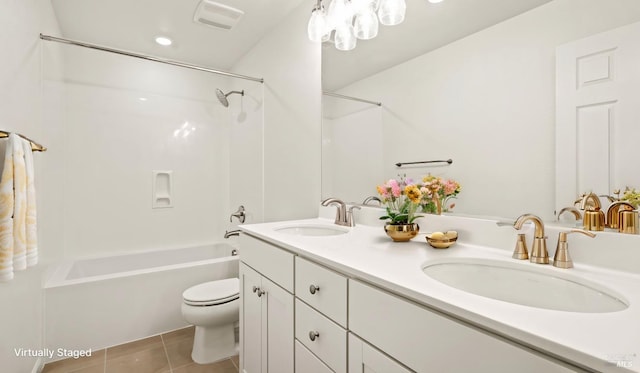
366, 25
345, 37
339, 11
360, 6
317, 28
391, 12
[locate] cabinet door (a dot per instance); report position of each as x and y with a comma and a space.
306, 362
250, 321
278, 327
427, 341
365, 359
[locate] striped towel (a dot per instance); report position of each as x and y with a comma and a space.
6, 212
30, 220
18, 232
19, 206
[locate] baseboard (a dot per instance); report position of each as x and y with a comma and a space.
37, 367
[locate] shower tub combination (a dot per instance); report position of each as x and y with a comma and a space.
101, 302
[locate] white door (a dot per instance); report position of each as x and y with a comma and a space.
365, 359
597, 114
278, 327
250, 321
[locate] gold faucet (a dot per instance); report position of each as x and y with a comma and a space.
594, 219
539, 253
613, 219
434, 193
520, 252
571, 210
562, 259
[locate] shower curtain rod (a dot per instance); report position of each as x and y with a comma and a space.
351, 98
147, 57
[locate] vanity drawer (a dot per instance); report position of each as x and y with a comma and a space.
306, 362
271, 261
322, 289
329, 339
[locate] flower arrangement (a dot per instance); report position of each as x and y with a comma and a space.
402, 198
632, 196
437, 192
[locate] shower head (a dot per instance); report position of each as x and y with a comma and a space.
222, 97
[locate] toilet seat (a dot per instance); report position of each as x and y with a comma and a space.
212, 293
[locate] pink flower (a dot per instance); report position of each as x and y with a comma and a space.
396, 191
450, 187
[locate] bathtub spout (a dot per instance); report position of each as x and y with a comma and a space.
228, 234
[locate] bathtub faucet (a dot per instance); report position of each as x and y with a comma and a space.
235, 232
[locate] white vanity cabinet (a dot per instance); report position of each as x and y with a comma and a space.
363, 358
300, 316
427, 341
321, 316
266, 308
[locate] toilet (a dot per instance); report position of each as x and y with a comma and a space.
213, 307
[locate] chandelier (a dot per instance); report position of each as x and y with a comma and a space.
350, 20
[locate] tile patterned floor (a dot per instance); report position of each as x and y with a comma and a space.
166, 353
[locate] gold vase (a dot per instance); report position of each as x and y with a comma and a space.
401, 232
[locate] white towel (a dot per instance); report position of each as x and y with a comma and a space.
30, 221
19, 207
6, 213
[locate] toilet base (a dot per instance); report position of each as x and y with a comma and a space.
211, 344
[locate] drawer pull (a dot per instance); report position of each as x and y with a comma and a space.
258, 291
313, 289
313, 335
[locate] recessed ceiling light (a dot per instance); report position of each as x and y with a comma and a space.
435, 1
163, 40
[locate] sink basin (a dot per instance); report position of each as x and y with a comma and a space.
519, 284
313, 230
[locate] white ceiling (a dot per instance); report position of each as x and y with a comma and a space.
426, 27
133, 24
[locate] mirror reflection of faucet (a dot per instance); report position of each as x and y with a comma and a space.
621, 215
594, 218
372, 200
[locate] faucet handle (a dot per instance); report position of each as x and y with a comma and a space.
521, 252
350, 220
240, 214
561, 259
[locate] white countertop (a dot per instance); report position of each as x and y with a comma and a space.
594, 340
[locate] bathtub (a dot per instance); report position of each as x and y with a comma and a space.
100, 302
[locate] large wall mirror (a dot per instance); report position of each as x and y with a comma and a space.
486, 100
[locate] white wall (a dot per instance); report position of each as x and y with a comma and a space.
352, 149
290, 65
488, 102
124, 118
20, 111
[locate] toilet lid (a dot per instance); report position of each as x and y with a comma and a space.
212, 292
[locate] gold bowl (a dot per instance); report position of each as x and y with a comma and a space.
441, 240
401, 232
